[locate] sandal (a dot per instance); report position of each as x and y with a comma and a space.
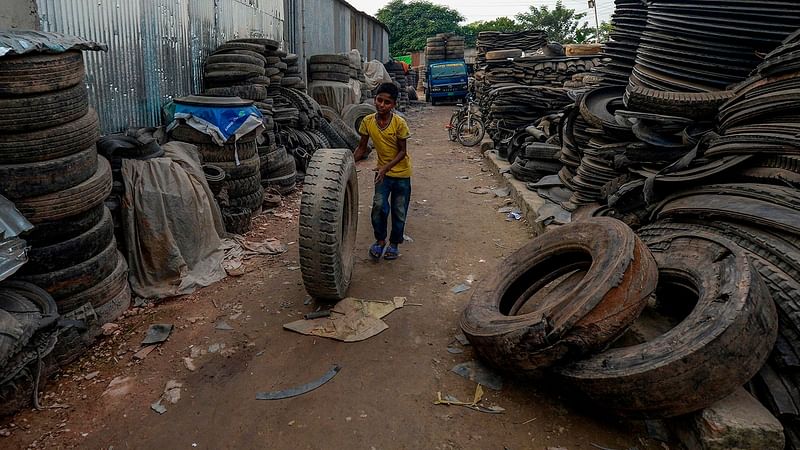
392, 252
376, 251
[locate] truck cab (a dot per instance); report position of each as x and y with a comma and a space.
446, 80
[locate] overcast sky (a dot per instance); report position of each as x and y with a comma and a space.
475, 10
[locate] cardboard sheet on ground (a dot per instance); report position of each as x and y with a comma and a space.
351, 320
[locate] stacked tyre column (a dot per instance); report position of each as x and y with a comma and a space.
50, 169
399, 77
241, 163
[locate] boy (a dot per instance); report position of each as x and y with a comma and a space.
389, 133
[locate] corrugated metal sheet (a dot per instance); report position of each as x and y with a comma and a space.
333, 26
156, 47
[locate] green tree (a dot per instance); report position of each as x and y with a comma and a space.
410, 24
471, 30
561, 24
586, 35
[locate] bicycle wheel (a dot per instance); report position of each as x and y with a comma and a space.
452, 128
470, 132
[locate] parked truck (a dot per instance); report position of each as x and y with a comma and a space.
446, 80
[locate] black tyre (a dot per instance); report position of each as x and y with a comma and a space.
251, 201
42, 111
237, 220
470, 132
245, 169
243, 186
330, 76
19, 181
346, 133
56, 142
233, 58
213, 153
40, 73
253, 92
328, 221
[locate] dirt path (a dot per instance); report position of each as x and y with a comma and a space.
383, 396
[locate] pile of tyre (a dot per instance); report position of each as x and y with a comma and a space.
331, 67
242, 194
529, 41
444, 46
400, 78
619, 53
50, 169
30, 334
509, 66
651, 327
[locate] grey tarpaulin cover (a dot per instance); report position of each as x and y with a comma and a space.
18, 42
334, 94
375, 73
172, 224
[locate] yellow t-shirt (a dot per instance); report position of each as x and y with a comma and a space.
385, 143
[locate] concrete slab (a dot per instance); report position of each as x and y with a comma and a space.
528, 201
737, 422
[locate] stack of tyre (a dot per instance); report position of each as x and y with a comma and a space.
242, 194
536, 160
237, 69
330, 68
279, 172
292, 76
50, 169
400, 78
444, 46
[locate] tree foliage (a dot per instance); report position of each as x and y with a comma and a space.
410, 24
504, 24
561, 24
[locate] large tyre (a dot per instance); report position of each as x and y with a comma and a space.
252, 69
328, 221
329, 59
346, 133
330, 76
56, 142
42, 111
102, 292
520, 320
48, 233
251, 201
213, 153
352, 115
692, 105
245, 169
243, 186
45, 177
233, 58
722, 342
237, 220
331, 68
78, 278
71, 251
69, 202
253, 92
40, 73
331, 135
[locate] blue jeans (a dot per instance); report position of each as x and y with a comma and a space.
391, 195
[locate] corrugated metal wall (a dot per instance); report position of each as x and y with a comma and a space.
333, 26
156, 47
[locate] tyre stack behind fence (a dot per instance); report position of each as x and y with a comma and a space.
50, 169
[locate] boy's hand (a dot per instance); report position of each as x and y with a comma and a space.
379, 175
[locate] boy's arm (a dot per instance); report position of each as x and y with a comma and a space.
402, 150
361, 149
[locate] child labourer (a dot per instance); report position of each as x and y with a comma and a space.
389, 133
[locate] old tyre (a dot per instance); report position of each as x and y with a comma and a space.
692, 105
722, 342
45, 177
213, 153
331, 68
330, 76
56, 142
253, 69
329, 59
243, 186
352, 115
215, 177
565, 294
234, 58
70, 252
41, 111
331, 135
69, 202
40, 73
101, 293
253, 92
251, 201
328, 220
78, 278
237, 220
49, 233
346, 133
245, 169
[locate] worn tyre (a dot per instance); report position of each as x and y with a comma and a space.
234, 58
56, 142
69, 202
722, 342
19, 181
253, 92
101, 293
70, 252
213, 153
245, 169
331, 135
330, 68
237, 220
78, 278
346, 133
330, 76
329, 59
352, 115
40, 73
603, 275
251, 201
692, 105
243, 186
42, 111
328, 221
49, 233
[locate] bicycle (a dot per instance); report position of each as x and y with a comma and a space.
465, 125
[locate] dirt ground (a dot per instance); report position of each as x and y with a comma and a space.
382, 398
